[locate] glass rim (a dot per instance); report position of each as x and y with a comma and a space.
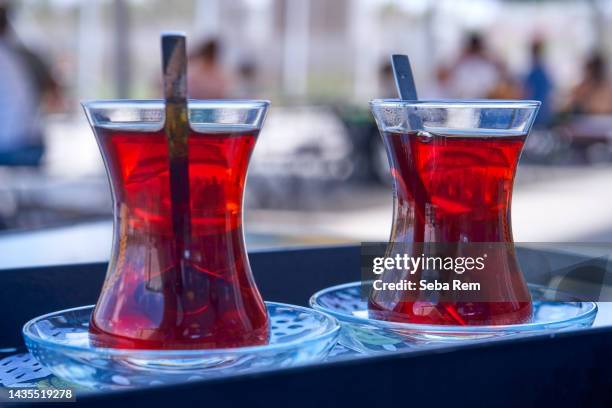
160, 103
457, 103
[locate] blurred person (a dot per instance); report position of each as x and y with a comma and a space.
48, 91
475, 74
247, 86
537, 84
507, 86
205, 74
24, 83
386, 81
593, 95
439, 88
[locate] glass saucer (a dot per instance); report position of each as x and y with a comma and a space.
366, 335
60, 341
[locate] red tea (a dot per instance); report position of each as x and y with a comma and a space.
155, 297
457, 189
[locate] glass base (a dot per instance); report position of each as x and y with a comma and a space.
60, 341
366, 335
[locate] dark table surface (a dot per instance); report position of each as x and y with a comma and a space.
568, 369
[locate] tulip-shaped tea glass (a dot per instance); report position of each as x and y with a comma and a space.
203, 295
453, 165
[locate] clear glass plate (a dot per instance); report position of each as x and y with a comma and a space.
60, 341
366, 335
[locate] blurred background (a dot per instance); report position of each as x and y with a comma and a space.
319, 174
